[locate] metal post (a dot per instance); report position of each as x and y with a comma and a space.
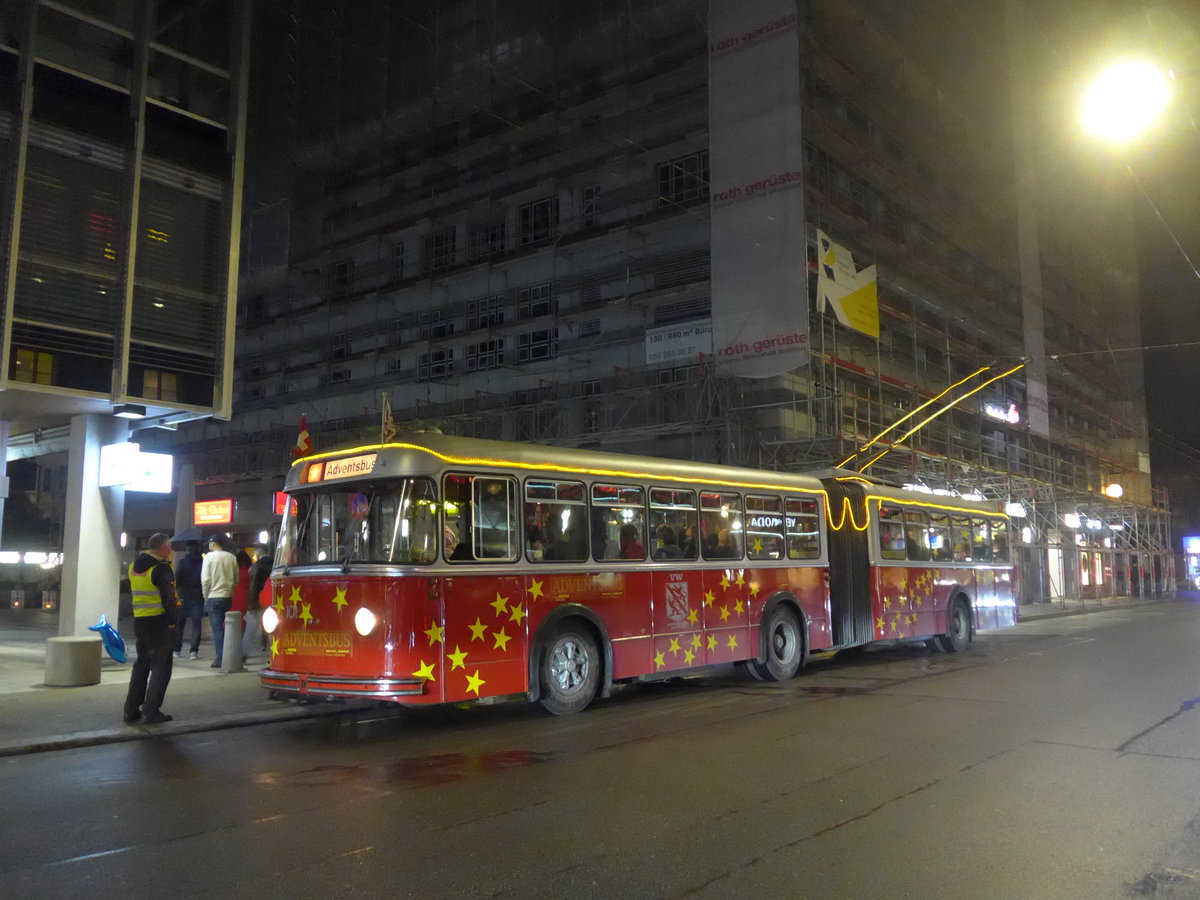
231, 655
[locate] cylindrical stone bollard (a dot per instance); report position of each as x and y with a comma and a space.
231, 656
73, 661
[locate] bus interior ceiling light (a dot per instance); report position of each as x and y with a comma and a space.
129, 411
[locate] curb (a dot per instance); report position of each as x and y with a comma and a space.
128, 733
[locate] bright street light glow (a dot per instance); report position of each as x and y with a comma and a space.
1125, 100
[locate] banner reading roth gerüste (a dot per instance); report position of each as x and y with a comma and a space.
759, 298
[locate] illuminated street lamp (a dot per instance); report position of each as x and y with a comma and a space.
1125, 100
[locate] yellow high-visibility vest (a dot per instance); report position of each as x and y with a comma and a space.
147, 601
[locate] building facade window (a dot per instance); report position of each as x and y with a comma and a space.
591, 205
438, 251
435, 364
537, 300
486, 312
396, 333
538, 221
486, 242
537, 345
435, 323
683, 180
33, 366
339, 279
397, 261
339, 347
159, 385
485, 355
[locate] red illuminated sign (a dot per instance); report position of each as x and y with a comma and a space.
212, 512
281, 500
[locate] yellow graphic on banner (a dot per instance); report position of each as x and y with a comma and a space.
852, 294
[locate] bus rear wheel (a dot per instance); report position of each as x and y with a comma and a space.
784, 645
958, 628
569, 671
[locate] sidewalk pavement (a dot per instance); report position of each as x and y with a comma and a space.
36, 718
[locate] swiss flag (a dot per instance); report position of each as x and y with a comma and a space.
303, 439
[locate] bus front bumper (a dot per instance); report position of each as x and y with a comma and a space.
341, 685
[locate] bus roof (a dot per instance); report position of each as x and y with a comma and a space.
427, 453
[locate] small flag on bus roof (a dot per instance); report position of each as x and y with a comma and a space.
303, 439
388, 428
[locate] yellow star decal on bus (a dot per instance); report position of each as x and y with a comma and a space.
436, 634
739, 607
692, 616
500, 605
725, 581
474, 683
425, 673
660, 659
741, 579
306, 613
879, 623
712, 642
709, 598
757, 545
518, 613
274, 647
339, 599
696, 641
279, 604
535, 589
754, 589
733, 642
478, 630
887, 602
688, 656
295, 598
502, 640
674, 648
724, 613
458, 659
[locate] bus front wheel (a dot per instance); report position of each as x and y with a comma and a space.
958, 628
784, 645
569, 670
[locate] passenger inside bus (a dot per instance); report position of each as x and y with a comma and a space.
666, 547
631, 544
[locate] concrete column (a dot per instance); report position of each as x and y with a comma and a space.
185, 497
91, 569
3, 470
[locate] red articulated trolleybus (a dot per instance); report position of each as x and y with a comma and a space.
439, 569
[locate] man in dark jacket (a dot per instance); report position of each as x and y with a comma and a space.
187, 584
155, 609
258, 598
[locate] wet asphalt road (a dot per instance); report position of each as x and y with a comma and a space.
1057, 759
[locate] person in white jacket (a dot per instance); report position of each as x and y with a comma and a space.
218, 576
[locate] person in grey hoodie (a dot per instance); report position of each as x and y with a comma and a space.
218, 576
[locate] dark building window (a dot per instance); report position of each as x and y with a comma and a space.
439, 248
538, 221
535, 301
485, 312
435, 364
537, 345
683, 180
485, 355
435, 323
485, 242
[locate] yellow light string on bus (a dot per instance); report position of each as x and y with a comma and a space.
918, 427
905, 418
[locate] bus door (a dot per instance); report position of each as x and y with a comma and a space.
849, 564
484, 641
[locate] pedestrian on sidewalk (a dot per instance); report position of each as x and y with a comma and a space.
155, 610
191, 595
218, 577
259, 599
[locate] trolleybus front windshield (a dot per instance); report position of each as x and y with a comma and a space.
392, 521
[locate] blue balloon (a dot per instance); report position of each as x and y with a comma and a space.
114, 644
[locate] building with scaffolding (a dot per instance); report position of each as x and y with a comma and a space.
519, 222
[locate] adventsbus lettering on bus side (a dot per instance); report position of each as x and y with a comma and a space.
442, 569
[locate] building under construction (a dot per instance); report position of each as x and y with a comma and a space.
517, 221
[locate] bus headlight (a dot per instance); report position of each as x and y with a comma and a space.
270, 620
365, 621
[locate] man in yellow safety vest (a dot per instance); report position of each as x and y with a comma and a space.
155, 610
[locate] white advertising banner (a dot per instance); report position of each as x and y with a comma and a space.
679, 344
759, 266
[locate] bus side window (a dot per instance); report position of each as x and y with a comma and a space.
673, 517
981, 540
916, 534
721, 526
803, 528
556, 512
940, 545
764, 527
891, 532
495, 525
999, 541
960, 537
618, 521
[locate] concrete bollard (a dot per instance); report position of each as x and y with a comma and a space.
231, 656
73, 661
